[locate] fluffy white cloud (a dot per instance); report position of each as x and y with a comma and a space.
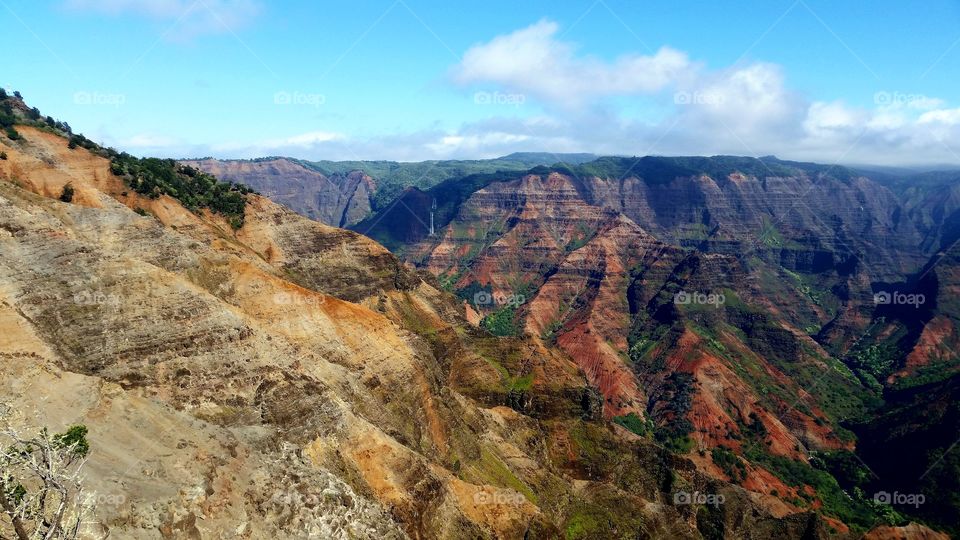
745, 109
950, 117
832, 119
533, 61
190, 18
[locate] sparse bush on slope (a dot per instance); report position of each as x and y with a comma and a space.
152, 177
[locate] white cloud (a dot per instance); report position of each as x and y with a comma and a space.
831, 119
147, 140
745, 105
293, 145
189, 18
480, 143
307, 139
534, 61
948, 117
745, 109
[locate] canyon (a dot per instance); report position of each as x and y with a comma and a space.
579, 350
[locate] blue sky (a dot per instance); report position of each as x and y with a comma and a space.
832, 81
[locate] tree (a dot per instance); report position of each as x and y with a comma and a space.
40, 483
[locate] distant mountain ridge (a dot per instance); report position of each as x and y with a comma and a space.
342, 193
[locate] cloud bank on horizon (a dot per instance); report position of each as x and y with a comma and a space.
663, 101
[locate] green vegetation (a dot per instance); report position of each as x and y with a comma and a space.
588, 522
769, 234
502, 322
729, 463
874, 363
635, 424
495, 471
604, 516
549, 334
639, 349
673, 433
522, 383
929, 374
75, 438
838, 393
853, 509
473, 291
580, 237
195, 189
7, 119
843, 465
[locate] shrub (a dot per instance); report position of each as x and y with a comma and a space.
12, 133
75, 439
195, 189
67, 194
634, 423
502, 322
729, 463
3, 156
